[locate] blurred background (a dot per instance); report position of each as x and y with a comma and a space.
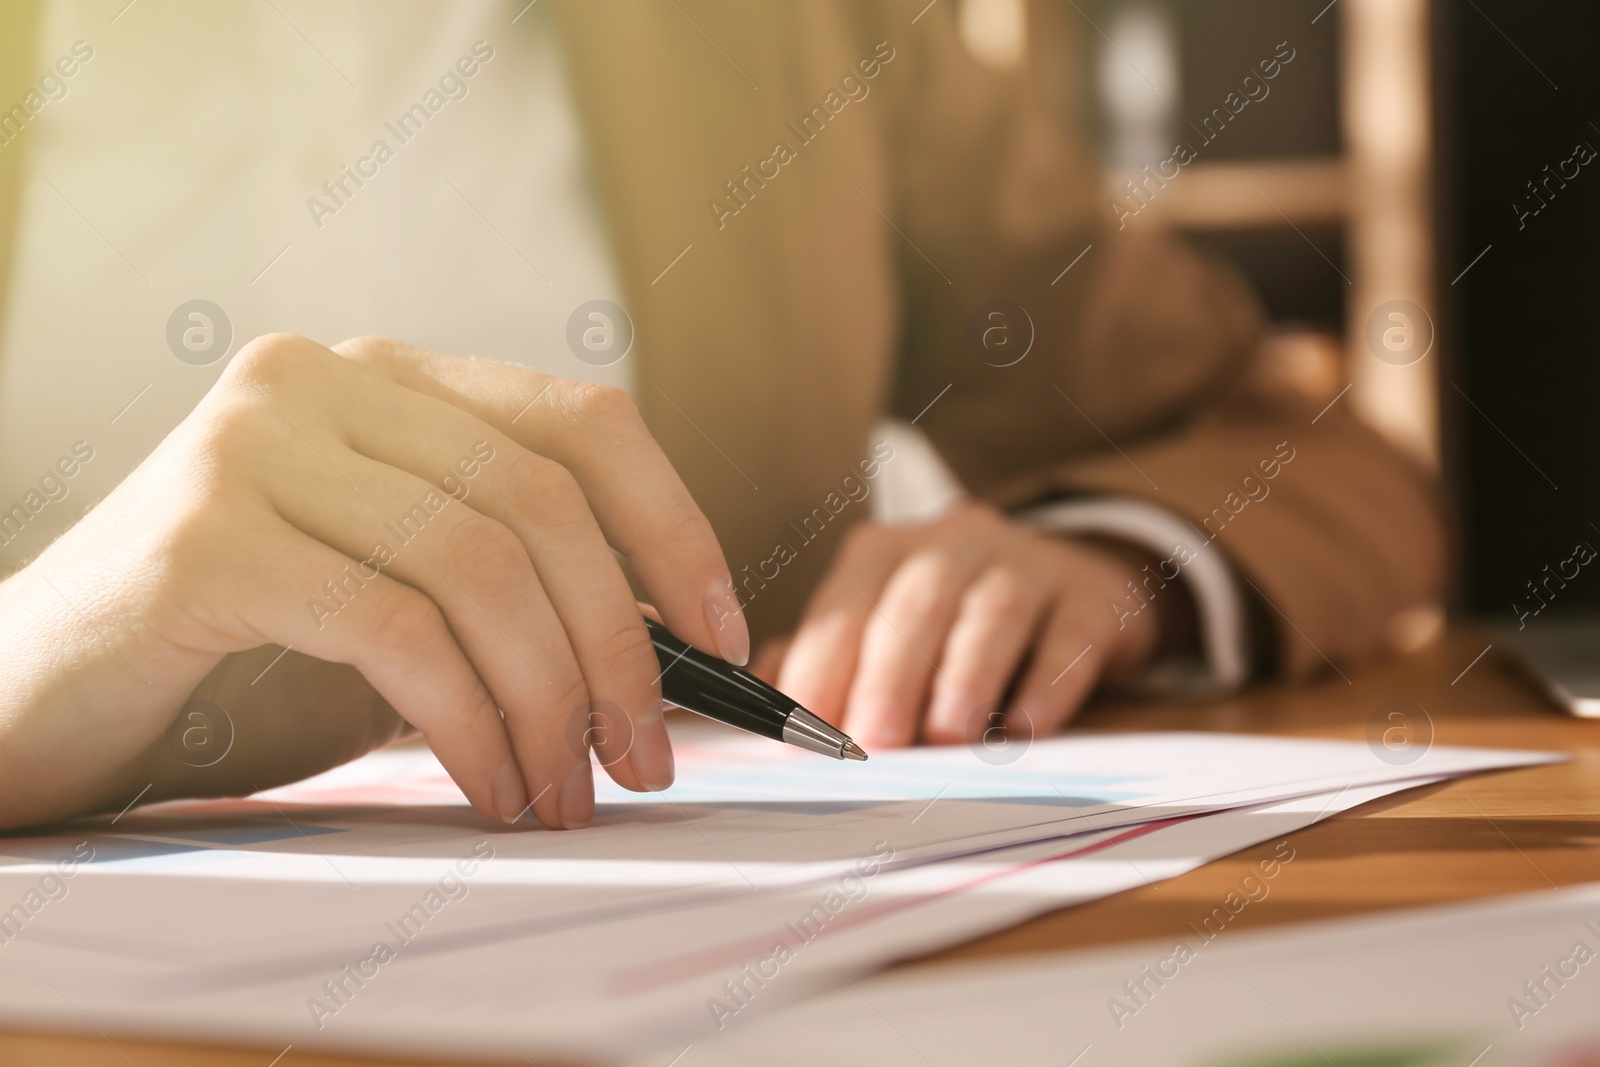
1429, 152
1402, 180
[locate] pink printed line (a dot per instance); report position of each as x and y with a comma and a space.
688, 965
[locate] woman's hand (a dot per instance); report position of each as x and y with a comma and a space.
918, 632
444, 527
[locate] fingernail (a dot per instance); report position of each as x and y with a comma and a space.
575, 805
510, 795
726, 620
652, 751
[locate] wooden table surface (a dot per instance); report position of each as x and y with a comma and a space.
1484, 836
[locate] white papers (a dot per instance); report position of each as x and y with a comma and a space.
1435, 987
371, 908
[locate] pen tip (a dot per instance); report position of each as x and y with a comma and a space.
854, 751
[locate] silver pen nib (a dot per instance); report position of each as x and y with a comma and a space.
805, 730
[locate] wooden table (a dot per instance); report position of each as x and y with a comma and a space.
1485, 836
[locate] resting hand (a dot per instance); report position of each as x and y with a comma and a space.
918, 632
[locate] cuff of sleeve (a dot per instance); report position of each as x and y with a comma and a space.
1210, 579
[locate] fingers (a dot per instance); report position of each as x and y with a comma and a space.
539, 501
904, 637
965, 605
399, 641
822, 657
597, 434
476, 571
1001, 615
1067, 662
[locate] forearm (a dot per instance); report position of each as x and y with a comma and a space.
80, 733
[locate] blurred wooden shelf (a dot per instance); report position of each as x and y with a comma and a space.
1235, 196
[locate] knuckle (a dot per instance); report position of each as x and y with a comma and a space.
368, 349
1005, 593
628, 643
275, 358
572, 703
924, 585
238, 432
684, 526
545, 489
603, 407
407, 622
485, 552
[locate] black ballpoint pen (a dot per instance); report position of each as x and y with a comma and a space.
708, 686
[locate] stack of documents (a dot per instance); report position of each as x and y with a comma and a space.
372, 908
1514, 981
